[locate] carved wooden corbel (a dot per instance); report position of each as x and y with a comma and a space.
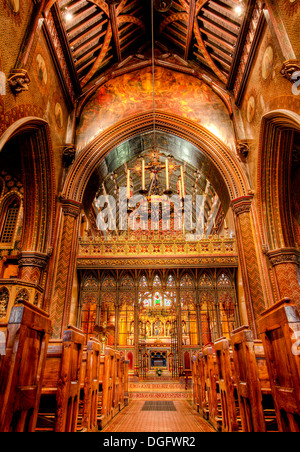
19, 80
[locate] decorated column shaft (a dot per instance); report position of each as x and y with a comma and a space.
254, 294
285, 262
65, 265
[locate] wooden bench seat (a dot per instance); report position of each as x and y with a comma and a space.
59, 402
212, 387
279, 327
89, 387
23, 358
231, 421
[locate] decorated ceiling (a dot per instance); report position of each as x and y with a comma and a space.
103, 35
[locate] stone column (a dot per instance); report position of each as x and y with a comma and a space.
64, 265
285, 262
245, 234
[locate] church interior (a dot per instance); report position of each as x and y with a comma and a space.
149, 216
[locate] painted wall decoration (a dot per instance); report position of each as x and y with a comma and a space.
267, 63
251, 106
175, 93
41, 68
58, 115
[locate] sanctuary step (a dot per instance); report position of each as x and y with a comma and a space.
159, 389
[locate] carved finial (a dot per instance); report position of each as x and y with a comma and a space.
19, 80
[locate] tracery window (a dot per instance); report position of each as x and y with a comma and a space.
9, 221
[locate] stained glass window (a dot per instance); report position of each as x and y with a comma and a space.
157, 299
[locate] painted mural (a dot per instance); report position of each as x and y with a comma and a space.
175, 93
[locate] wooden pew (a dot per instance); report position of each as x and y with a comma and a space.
22, 367
116, 384
195, 388
58, 408
267, 397
107, 386
126, 382
89, 387
230, 412
279, 327
202, 392
248, 385
212, 387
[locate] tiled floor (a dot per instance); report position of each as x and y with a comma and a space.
134, 419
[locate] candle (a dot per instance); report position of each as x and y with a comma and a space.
143, 174
167, 175
128, 184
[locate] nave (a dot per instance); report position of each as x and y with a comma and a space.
175, 416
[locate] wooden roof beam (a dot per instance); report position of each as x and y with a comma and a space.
115, 31
190, 28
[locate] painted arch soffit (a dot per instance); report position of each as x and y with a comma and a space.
132, 94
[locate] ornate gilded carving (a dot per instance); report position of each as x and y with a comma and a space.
19, 80
289, 68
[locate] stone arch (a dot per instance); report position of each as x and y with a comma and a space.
37, 159
221, 157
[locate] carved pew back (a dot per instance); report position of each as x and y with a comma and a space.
22, 367
107, 386
89, 386
224, 359
279, 327
202, 392
211, 379
126, 382
58, 409
247, 381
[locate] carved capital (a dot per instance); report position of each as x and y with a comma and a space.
242, 205
284, 256
70, 207
32, 259
68, 154
289, 68
19, 80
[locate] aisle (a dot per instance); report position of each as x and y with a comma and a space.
158, 416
